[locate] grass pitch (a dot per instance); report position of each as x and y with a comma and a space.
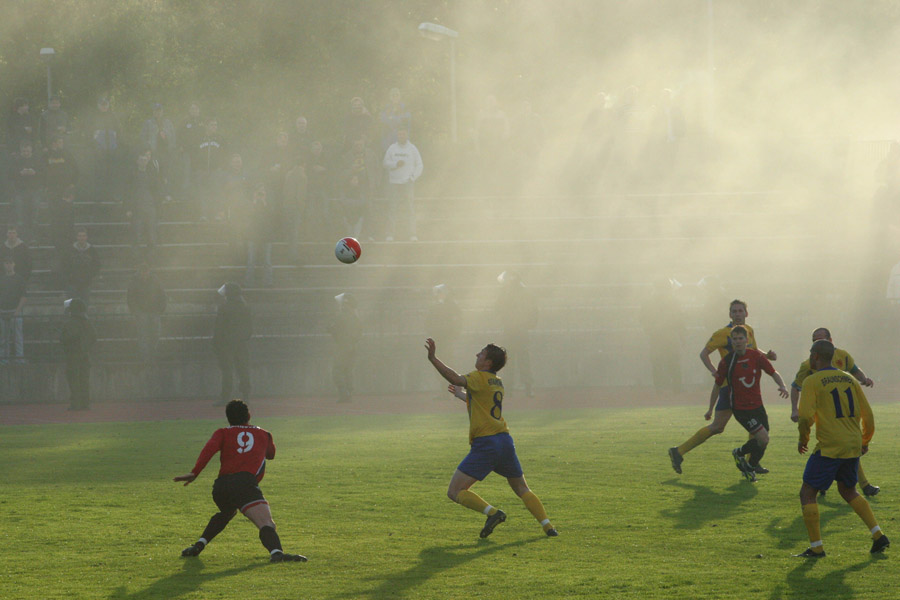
90, 511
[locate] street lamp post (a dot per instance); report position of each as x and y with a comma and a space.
438, 33
47, 55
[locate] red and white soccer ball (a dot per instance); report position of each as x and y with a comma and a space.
348, 250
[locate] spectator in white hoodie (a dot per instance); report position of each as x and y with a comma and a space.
404, 166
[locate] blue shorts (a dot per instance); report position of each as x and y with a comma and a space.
724, 402
492, 453
821, 471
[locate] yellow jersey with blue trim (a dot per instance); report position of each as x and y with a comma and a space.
721, 339
842, 360
484, 400
835, 403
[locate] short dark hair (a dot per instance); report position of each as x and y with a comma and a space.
824, 349
736, 301
739, 329
496, 355
823, 330
237, 412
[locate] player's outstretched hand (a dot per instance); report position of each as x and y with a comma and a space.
867, 382
865, 449
771, 355
782, 391
186, 478
708, 415
795, 416
801, 448
429, 343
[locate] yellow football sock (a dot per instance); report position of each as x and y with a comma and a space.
470, 499
862, 508
536, 508
861, 476
698, 438
811, 519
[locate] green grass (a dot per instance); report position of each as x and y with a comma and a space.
90, 511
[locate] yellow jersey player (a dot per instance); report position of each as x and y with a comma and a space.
491, 446
720, 396
843, 361
834, 402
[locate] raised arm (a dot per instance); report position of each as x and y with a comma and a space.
446, 372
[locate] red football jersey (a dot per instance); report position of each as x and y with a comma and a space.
241, 448
744, 377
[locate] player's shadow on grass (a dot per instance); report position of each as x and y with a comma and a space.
433, 560
708, 505
792, 536
186, 581
801, 582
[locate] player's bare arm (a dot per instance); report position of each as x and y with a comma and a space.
186, 478
459, 392
782, 391
446, 372
704, 358
862, 378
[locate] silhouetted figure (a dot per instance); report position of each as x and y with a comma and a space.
517, 314
346, 331
78, 339
231, 342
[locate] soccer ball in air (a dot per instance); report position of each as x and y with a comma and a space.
348, 250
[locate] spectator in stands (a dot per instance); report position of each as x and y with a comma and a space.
158, 134
404, 166
206, 163
188, 138
358, 125
141, 204
231, 341
20, 126
517, 314
78, 339
79, 267
443, 324
12, 300
61, 175
18, 250
301, 139
107, 140
346, 331
359, 178
276, 162
54, 121
26, 178
394, 116
295, 184
146, 302
320, 190
262, 222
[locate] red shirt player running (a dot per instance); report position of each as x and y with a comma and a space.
243, 450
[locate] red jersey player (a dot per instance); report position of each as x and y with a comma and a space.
243, 450
742, 369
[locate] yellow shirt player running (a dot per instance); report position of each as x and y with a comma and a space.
843, 361
834, 402
492, 448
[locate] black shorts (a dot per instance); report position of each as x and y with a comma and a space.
236, 491
752, 420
